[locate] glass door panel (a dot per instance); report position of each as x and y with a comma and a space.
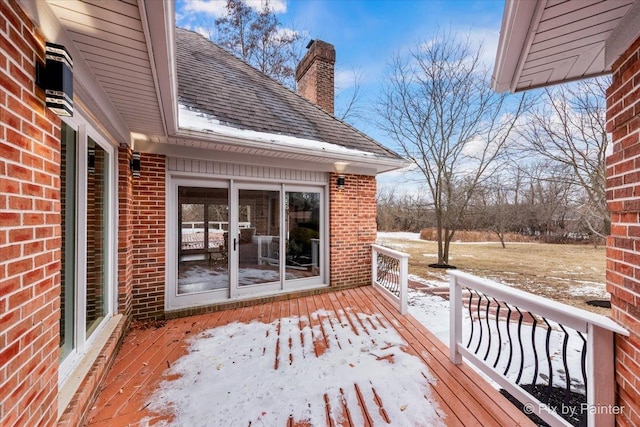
203, 239
303, 234
258, 237
97, 208
68, 222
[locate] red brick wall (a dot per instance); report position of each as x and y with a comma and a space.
29, 230
352, 226
125, 231
623, 246
148, 237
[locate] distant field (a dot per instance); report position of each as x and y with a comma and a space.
572, 274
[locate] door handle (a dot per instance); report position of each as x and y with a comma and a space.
235, 243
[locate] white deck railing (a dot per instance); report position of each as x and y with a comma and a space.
390, 275
537, 350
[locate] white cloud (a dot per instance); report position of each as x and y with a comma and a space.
344, 79
211, 7
489, 38
217, 8
277, 6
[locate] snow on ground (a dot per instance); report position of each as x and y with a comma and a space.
235, 364
398, 235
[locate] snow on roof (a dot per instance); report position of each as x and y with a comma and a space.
194, 120
228, 376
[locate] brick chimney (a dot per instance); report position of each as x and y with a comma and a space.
314, 74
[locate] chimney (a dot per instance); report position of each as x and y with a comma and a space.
314, 74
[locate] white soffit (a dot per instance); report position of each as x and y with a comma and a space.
113, 39
553, 41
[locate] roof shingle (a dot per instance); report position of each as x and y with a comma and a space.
215, 82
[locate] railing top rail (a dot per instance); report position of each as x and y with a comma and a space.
390, 252
554, 310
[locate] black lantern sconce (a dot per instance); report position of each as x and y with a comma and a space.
135, 165
55, 77
340, 167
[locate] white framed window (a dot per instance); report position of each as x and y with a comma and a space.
88, 288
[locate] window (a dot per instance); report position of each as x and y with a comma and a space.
87, 284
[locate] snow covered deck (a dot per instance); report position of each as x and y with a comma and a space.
345, 358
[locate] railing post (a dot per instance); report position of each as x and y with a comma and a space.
600, 377
374, 265
404, 283
455, 313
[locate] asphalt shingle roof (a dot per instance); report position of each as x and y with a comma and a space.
215, 82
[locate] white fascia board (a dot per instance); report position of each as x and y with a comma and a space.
627, 31
206, 154
519, 22
158, 20
93, 96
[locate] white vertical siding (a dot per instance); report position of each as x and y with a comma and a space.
212, 168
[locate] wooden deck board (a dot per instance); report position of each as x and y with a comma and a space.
306, 327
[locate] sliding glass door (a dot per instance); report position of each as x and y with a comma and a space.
237, 239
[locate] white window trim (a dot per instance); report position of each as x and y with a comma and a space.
84, 129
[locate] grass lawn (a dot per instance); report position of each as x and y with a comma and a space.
572, 274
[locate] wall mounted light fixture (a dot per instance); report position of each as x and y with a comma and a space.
340, 168
55, 77
135, 164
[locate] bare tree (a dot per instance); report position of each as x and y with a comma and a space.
439, 109
401, 212
569, 130
257, 37
353, 107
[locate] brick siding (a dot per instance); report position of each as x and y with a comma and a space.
125, 231
352, 227
147, 219
623, 245
30, 239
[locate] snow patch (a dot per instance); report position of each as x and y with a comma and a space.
195, 120
228, 377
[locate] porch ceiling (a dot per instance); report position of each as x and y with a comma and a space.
552, 41
115, 40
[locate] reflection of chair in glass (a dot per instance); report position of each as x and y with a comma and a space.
218, 255
268, 249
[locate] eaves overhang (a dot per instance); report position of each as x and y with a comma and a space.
267, 149
547, 42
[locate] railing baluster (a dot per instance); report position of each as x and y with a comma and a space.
479, 323
535, 351
547, 348
567, 376
488, 328
583, 362
521, 346
499, 334
470, 316
508, 339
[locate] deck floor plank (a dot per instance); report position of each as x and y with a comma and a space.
306, 327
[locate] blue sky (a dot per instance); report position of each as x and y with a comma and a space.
367, 33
